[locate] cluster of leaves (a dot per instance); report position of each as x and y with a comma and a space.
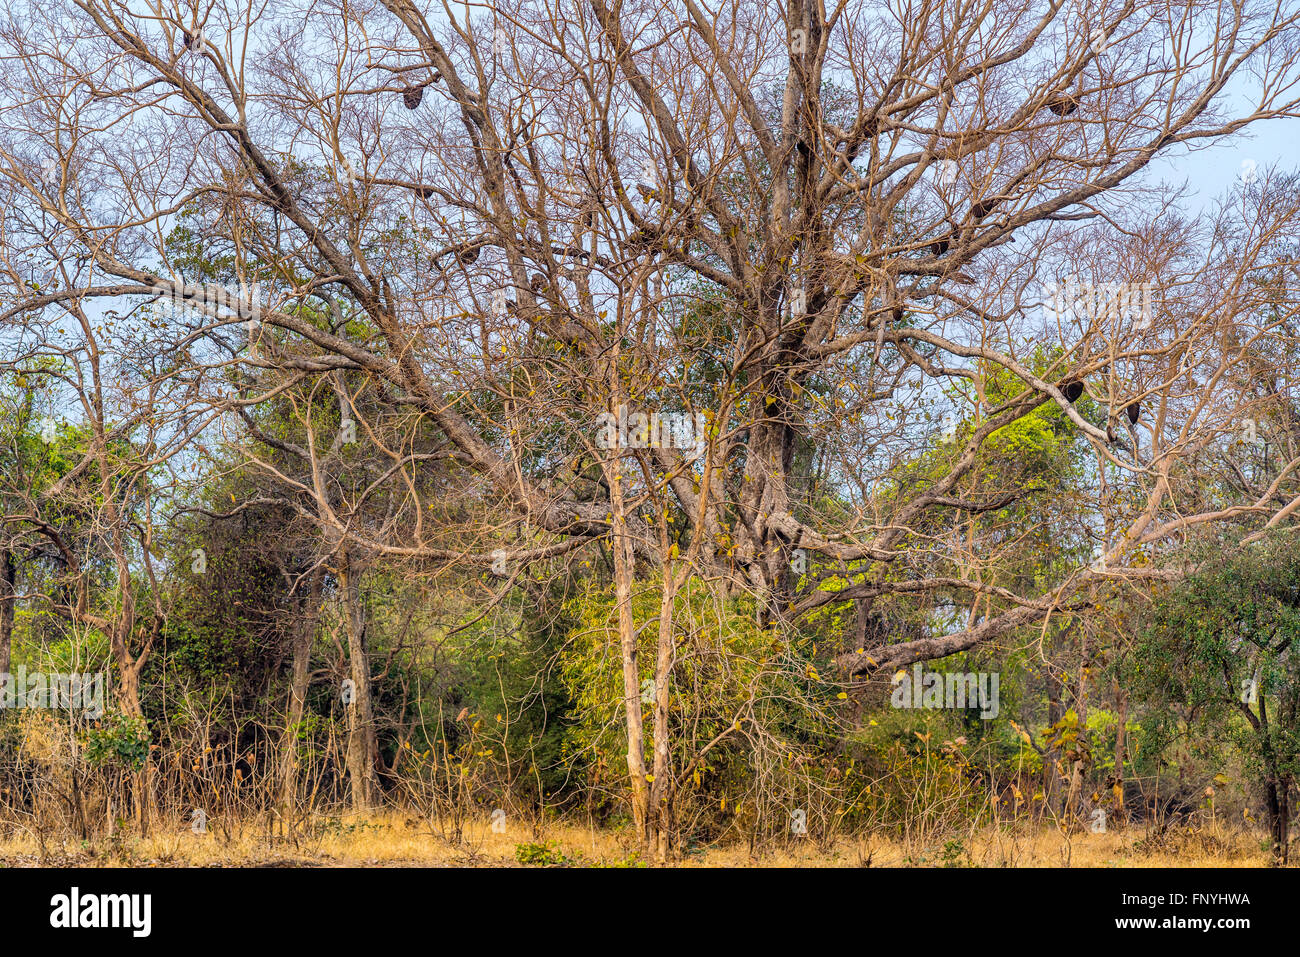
1218, 651
118, 740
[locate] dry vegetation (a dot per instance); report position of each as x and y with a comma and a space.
396, 841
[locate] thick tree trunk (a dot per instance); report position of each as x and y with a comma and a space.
128, 688
768, 460
128, 696
1279, 812
1281, 833
362, 741
304, 631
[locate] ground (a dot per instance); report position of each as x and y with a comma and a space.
397, 841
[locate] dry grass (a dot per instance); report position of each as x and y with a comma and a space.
392, 840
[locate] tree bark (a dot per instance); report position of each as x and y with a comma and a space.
304, 631
128, 687
128, 696
623, 573
8, 599
1276, 799
1121, 748
1051, 760
661, 791
362, 742
1076, 806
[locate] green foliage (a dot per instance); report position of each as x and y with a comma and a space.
541, 855
732, 683
224, 616
721, 653
119, 740
1233, 621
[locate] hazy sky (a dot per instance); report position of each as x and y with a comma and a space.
1217, 169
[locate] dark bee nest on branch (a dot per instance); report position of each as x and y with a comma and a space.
412, 96
1072, 390
1063, 104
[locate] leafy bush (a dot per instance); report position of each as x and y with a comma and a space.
118, 740
540, 855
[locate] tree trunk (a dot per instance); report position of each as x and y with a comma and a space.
623, 573
661, 791
8, 599
1076, 806
1051, 760
128, 696
304, 632
128, 687
1279, 812
1281, 833
362, 742
1121, 745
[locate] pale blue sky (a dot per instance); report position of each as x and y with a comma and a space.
1215, 170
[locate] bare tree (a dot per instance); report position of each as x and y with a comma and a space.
822, 228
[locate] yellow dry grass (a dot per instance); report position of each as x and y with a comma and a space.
393, 840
